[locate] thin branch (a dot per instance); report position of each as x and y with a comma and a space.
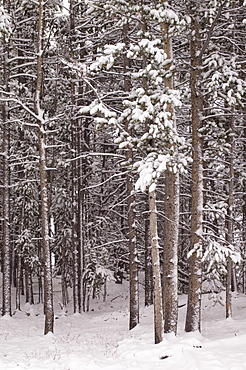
109, 243
210, 32
86, 155
16, 100
104, 182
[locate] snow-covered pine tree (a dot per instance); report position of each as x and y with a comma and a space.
216, 110
151, 130
27, 114
111, 12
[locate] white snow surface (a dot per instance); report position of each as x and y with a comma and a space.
100, 339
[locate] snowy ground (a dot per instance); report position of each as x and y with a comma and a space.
100, 339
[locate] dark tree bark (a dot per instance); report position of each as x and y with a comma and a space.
133, 253
131, 212
6, 249
193, 317
158, 308
78, 169
170, 253
148, 264
229, 216
171, 223
18, 282
48, 289
244, 206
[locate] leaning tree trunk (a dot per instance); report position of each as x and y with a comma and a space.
48, 290
158, 309
193, 317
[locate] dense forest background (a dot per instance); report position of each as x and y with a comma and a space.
123, 151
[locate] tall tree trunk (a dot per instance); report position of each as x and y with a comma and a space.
244, 207
48, 290
131, 213
76, 221
18, 282
171, 223
148, 264
229, 219
77, 168
170, 252
193, 317
133, 253
81, 224
158, 308
6, 248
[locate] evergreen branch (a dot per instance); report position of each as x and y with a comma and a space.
210, 32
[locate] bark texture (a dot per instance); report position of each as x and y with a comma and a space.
148, 286
133, 254
131, 212
171, 223
170, 253
229, 219
48, 289
158, 308
193, 317
6, 248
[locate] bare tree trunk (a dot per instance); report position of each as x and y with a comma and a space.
229, 219
171, 223
27, 285
133, 253
193, 317
48, 290
77, 193
40, 281
75, 225
18, 282
6, 249
244, 208
158, 309
64, 287
148, 265
131, 214
170, 253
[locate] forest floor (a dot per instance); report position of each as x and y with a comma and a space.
99, 339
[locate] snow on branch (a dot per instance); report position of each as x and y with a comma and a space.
5, 21
9, 97
216, 255
145, 119
225, 78
150, 170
